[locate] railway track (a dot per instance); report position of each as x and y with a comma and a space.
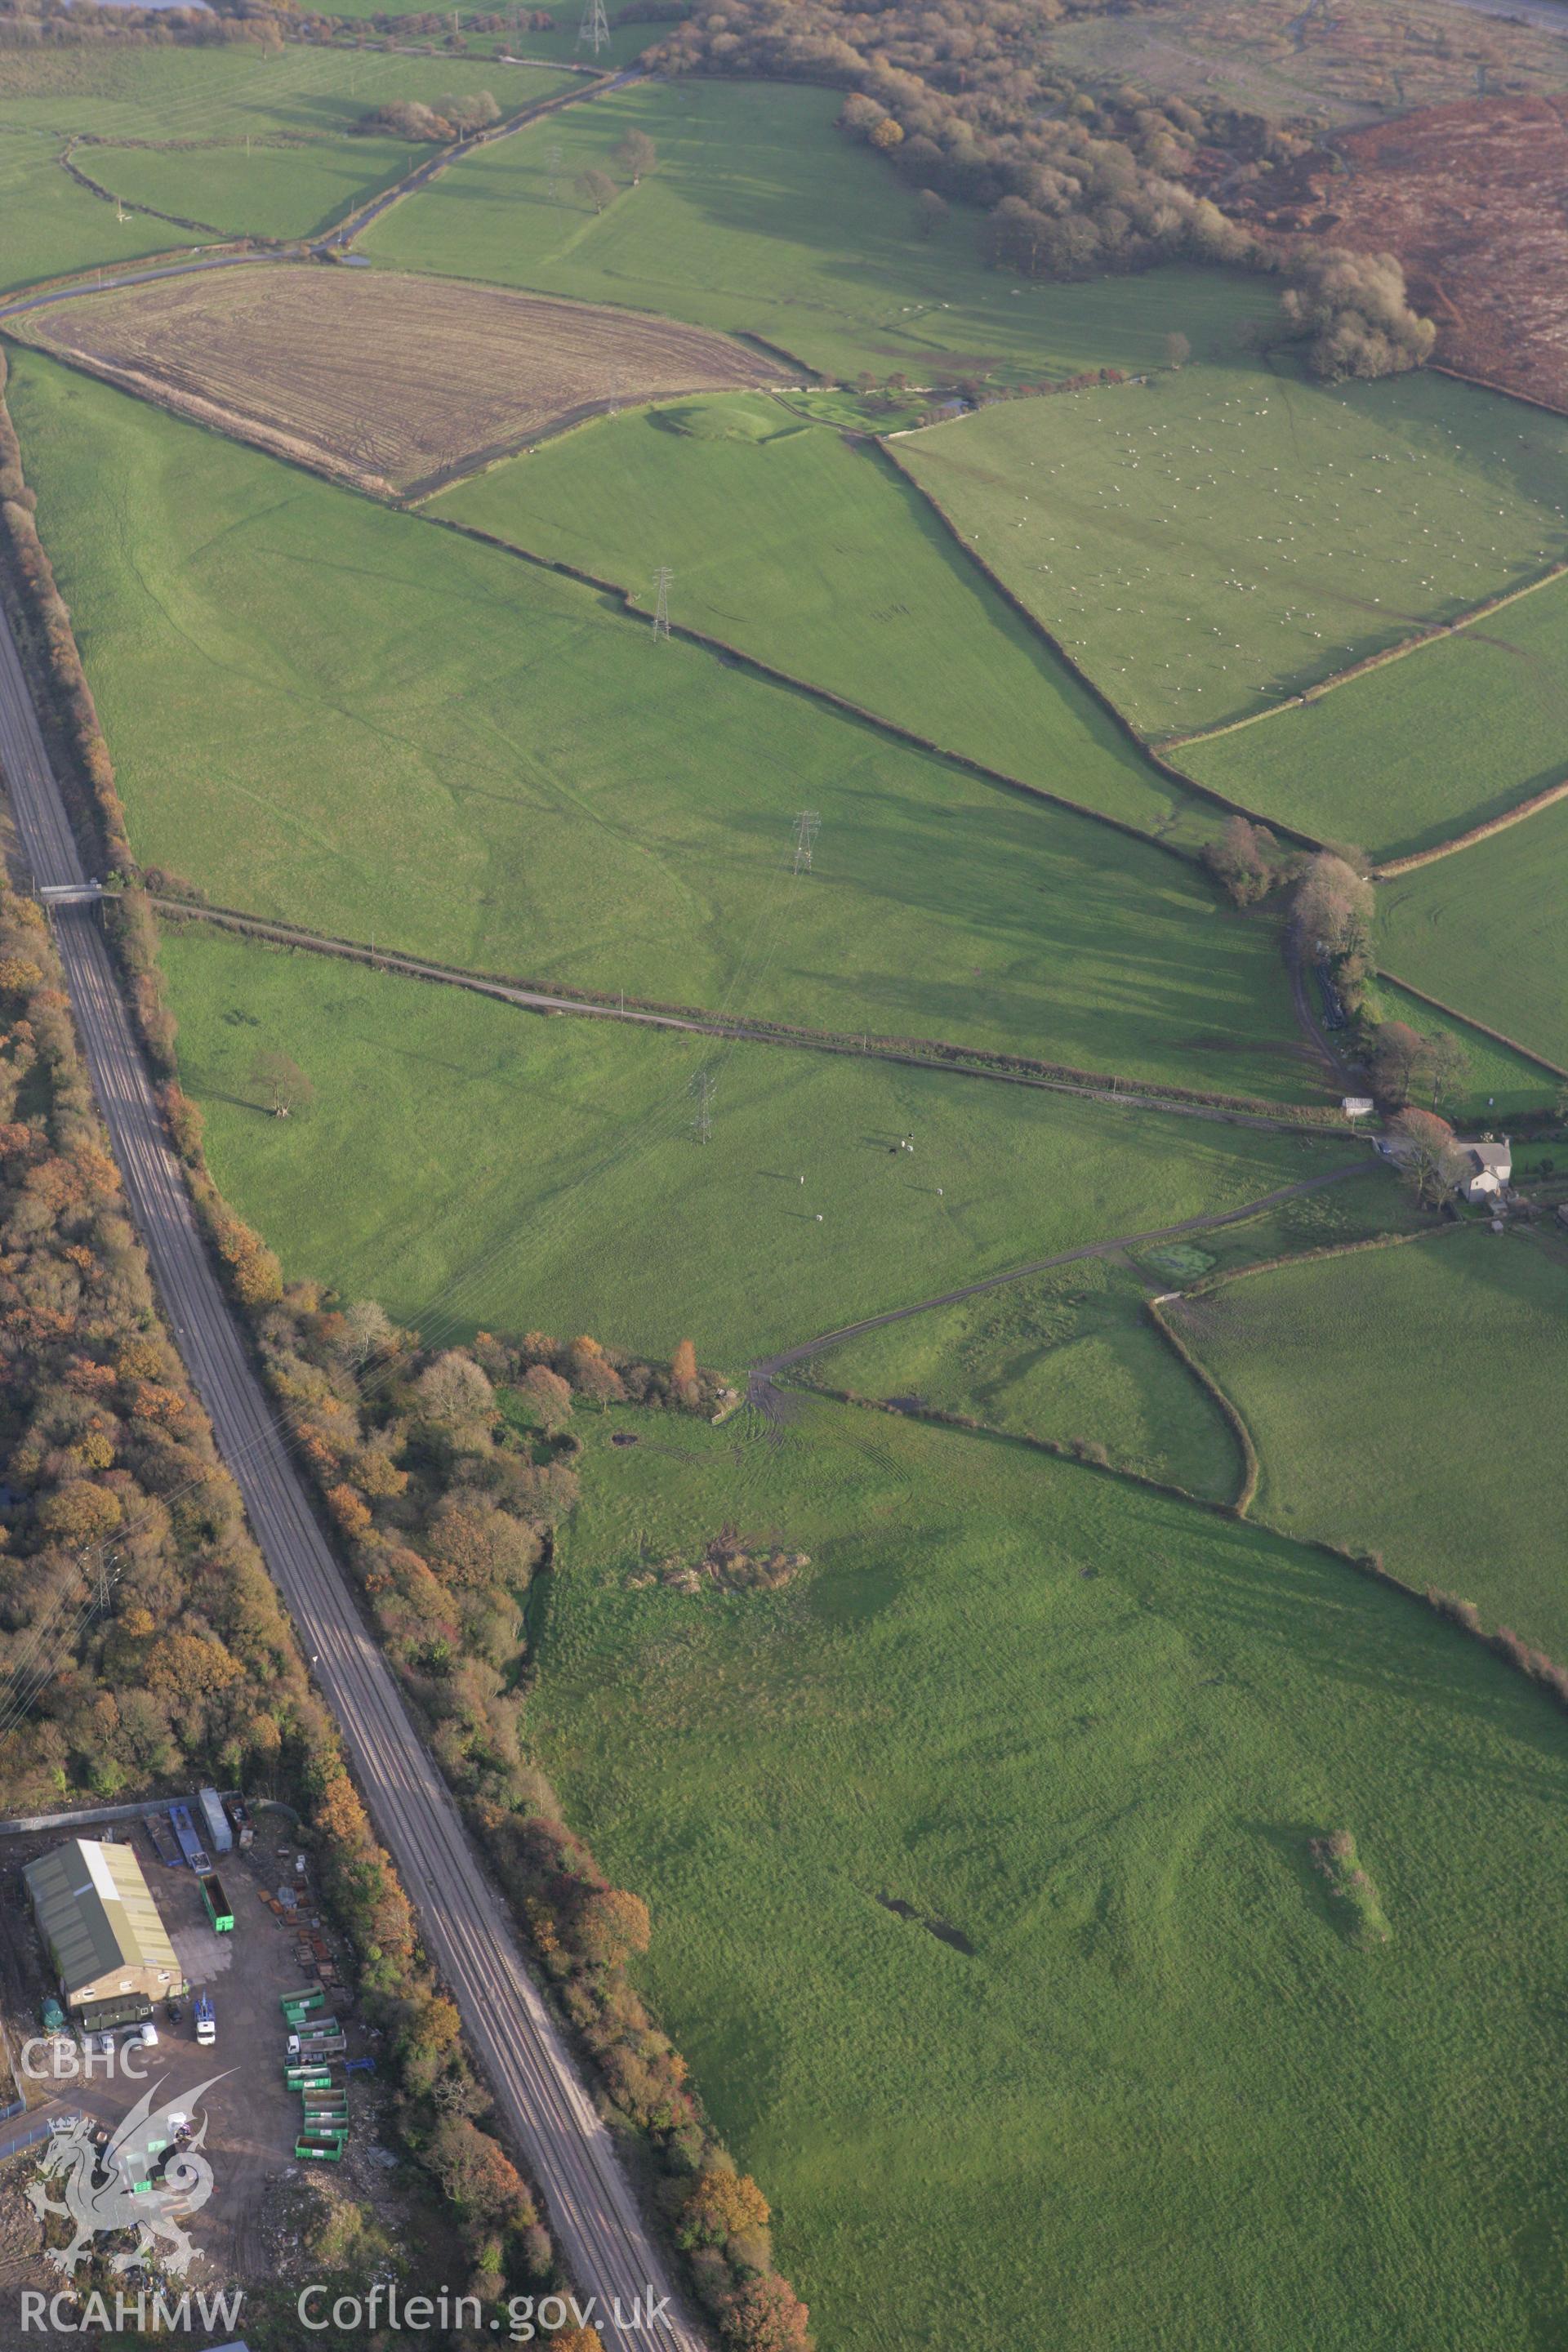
546, 2106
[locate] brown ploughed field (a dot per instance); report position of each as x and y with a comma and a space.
1471, 198
390, 381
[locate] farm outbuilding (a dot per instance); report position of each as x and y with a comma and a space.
99, 1923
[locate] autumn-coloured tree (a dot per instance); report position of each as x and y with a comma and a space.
683, 1372
471, 1543
595, 188
1333, 908
1398, 1052
1178, 350
609, 1924
1425, 1148
252, 1270
351, 1513
722, 2205
593, 1374
1244, 860
551, 1395
478, 2174
80, 1514
767, 2315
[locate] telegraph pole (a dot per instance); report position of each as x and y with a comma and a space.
807, 825
662, 579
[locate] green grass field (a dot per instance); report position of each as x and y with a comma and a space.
1409, 755
1483, 930
546, 1168
303, 90
1377, 1386
810, 552
54, 226
1497, 1084
762, 220
1227, 534
1072, 1355
1164, 2099
368, 725
267, 191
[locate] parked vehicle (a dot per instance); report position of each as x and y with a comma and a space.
206, 2023
53, 2015
219, 1909
191, 1846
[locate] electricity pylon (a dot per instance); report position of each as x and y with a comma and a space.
662, 579
595, 30
702, 1088
807, 825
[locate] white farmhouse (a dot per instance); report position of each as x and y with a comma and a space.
1484, 1168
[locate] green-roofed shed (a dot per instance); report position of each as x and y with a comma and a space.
97, 1916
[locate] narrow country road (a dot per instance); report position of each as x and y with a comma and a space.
545, 2105
760, 1388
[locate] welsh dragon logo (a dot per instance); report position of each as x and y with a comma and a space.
116, 2187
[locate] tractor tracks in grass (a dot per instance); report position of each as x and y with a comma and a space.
762, 1389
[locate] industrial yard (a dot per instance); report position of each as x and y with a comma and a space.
261, 2211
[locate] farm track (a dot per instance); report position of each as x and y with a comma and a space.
558, 2132
341, 238
1089, 1086
761, 1390
336, 240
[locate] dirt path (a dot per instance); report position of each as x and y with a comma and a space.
1343, 1074
762, 1391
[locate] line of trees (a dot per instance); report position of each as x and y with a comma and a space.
187, 1667
1330, 915
447, 120
84, 24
